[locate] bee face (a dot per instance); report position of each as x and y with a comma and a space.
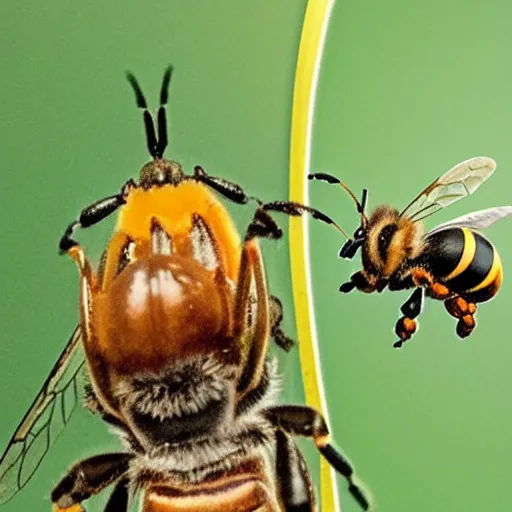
390, 241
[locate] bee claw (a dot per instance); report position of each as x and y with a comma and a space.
398, 344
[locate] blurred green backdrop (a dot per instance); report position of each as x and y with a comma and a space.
406, 90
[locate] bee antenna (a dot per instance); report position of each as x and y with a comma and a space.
156, 147
329, 178
162, 120
294, 209
151, 140
364, 198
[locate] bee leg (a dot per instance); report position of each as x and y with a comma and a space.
276, 317
439, 291
406, 326
251, 318
118, 501
294, 481
264, 226
93, 214
89, 279
89, 477
347, 287
465, 326
228, 189
463, 310
236, 193
421, 277
305, 421
357, 280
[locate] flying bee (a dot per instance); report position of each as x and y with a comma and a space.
452, 262
174, 331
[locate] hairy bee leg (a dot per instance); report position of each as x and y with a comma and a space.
118, 501
406, 326
357, 280
251, 317
276, 317
93, 214
404, 329
465, 326
89, 477
294, 482
463, 310
421, 277
305, 421
263, 225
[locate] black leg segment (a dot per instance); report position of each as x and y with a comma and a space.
357, 280
93, 214
294, 482
413, 306
276, 317
228, 189
89, 477
263, 226
407, 325
295, 209
305, 421
118, 501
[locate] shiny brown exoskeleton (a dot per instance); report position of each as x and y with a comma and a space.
175, 326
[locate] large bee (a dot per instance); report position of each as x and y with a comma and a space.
175, 327
452, 262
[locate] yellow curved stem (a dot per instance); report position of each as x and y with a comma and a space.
306, 75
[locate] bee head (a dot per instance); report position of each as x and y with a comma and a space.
390, 240
158, 171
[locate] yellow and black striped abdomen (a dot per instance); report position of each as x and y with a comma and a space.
465, 261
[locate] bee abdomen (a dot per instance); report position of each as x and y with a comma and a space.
465, 261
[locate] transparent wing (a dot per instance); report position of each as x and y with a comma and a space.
459, 182
44, 421
480, 219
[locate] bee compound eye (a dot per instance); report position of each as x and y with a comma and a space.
359, 233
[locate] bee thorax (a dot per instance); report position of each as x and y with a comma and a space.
183, 401
391, 241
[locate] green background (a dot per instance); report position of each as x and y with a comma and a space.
407, 89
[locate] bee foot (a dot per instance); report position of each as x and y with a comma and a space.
347, 287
